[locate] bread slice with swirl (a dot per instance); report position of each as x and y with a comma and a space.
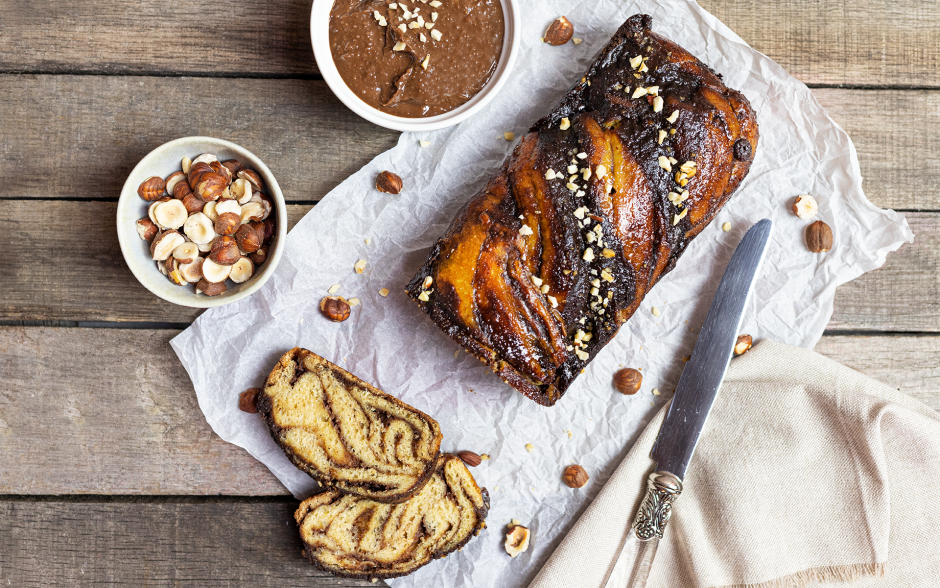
355, 537
345, 433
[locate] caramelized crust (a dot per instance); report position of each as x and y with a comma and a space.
535, 275
345, 433
359, 538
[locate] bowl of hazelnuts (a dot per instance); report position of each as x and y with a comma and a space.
201, 222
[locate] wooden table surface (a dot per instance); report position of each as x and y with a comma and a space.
109, 473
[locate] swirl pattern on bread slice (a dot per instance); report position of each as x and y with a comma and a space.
359, 538
345, 433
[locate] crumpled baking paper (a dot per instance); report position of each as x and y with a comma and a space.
389, 342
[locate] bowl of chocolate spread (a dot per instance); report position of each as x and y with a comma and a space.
417, 65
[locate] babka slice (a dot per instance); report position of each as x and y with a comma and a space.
347, 434
358, 538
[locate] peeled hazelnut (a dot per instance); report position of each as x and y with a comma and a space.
152, 189
209, 211
575, 476
227, 223
259, 256
192, 272
252, 176
224, 251
241, 190
470, 458
819, 237
164, 243
186, 252
559, 32
153, 206
253, 211
246, 400
205, 158
173, 179
210, 288
805, 206
199, 228
170, 214
147, 229
213, 272
242, 270
173, 271
335, 308
233, 166
388, 182
228, 205
743, 343
517, 540
248, 238
193, 203
628, 381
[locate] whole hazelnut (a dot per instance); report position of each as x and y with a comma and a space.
470, 458
388, 182
628, 381
335, 308
247, 238
559, 32
227, 223
575, 476
743, 343
152, 188
246, 400
819, 237
224, 250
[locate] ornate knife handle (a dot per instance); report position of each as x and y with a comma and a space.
662, 488
632, 568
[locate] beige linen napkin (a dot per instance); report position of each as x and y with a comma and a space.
807, 473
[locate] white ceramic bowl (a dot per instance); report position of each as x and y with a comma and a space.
163, 161
320, 36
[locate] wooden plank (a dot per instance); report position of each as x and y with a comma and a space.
206, 544
851, 42
111, 411
62, 262
80, 136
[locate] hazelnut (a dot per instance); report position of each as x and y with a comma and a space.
172, 267
517, 540
186, 252
628, 381
224, 251
470, 458
559, 32
233, 166
147, 229
246, 400
743, 343
192, 272
164, 243
214, 273
819, 237
252, 176
805, 206
199, 228
221, 169
388, 182
242, 270
210, 288
170, 214
181, 190
575, 476
248, 238
259, 256
152, 189
227, 223
335, 308
173, 179
192, 203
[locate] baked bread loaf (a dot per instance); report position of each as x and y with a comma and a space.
355, 537
541, 268
347, 434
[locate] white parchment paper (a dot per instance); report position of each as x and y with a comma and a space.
389, 342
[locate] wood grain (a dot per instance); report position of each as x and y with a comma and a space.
851, 42
63, 262
203, 545
111, 411
78, 137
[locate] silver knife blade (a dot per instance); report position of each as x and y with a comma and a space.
701, 379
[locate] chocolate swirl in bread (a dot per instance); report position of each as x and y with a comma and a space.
541, 268
355, 537
345, 433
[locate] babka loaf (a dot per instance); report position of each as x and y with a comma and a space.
345, 433
360, 538
541, 268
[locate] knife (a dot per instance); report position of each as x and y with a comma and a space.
695, 394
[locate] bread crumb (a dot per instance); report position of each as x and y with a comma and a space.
484, 456
655, 391
529, 447
424, 143
655, 311
509, 136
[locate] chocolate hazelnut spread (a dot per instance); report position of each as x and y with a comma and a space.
419, 58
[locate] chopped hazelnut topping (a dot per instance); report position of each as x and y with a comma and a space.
545, 289
673, 117
436, 35
673, 197
399, 46
427, 59
601, 171
427, 282
423, 38
553, 301
664, 163
402, 27
608, 253
434, 4
565, 124
588, 255
657, 104
525, 230
434, 17
550, 174
572, 186
581, 355
636, 61
582, 155
639, 92
424, 296
586, 173
579, 212
572, 169
606, 275
662, 136
393, 5
537, 280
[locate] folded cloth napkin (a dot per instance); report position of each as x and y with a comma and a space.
808, 473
